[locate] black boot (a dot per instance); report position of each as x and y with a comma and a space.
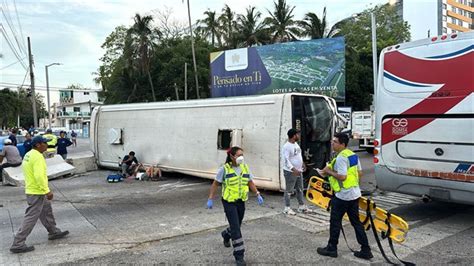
226, 239
364, 254
327, 251
240, 262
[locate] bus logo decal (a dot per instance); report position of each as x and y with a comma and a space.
399, 126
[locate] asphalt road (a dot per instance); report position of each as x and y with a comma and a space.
166, 222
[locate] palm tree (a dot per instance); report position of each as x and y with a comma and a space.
281, 23
252, 31
210, 27
316, 28
141, 42
228, 27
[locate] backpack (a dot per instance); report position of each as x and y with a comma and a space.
114, 178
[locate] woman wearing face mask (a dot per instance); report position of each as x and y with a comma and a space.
236, 180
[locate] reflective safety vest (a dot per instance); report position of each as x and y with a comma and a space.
352, 178
235, 187
52, 143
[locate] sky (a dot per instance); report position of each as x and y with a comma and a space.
71, 32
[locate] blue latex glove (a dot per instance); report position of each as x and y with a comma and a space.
259, 200
209, 203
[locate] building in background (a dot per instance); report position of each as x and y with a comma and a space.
435, 17
74, 110
457, 16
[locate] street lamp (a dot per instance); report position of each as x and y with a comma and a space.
47, 91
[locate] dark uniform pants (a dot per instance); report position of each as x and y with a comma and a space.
234, 211
338, 209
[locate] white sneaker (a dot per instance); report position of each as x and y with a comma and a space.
303, 209
289, 211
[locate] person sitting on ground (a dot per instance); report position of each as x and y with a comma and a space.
129, 164
152, 173
12, 155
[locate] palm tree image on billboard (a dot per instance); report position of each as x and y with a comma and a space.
314, 66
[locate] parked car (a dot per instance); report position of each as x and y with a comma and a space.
20, 139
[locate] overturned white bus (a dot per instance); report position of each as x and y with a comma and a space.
192, 137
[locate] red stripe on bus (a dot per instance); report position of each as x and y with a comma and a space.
455, 73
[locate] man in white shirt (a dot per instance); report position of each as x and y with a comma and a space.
293, 168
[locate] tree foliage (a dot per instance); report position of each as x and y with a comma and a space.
14, 103
391, 29
148, 57
281, 24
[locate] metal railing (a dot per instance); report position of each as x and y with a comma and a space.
74, 114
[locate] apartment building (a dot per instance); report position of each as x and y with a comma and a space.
435, 17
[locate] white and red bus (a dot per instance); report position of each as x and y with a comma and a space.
425, 118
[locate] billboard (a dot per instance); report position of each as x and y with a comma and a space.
314, 66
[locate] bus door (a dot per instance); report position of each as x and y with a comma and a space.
313, 117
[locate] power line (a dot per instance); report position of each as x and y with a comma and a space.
19, 24
24, 79
44, 87
11, 45
12, 28
16, 62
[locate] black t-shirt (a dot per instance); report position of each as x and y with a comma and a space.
13, 139
130, 162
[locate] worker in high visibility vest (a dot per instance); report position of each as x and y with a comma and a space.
38, 197
236, 180
52, 144
344, 172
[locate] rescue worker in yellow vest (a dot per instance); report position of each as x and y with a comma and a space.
344, 172
51, 151
236, 180
38, 197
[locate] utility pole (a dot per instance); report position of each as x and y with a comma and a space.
194, 53
374, 52
32, 80
18, 117
176, 90
185, 81
47, 92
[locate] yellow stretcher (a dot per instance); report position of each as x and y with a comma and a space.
389, 225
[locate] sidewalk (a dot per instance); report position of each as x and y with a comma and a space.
105, 218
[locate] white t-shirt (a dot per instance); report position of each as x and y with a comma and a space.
237, 169
291, 154
341, 166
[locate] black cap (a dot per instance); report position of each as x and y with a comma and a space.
292, 132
